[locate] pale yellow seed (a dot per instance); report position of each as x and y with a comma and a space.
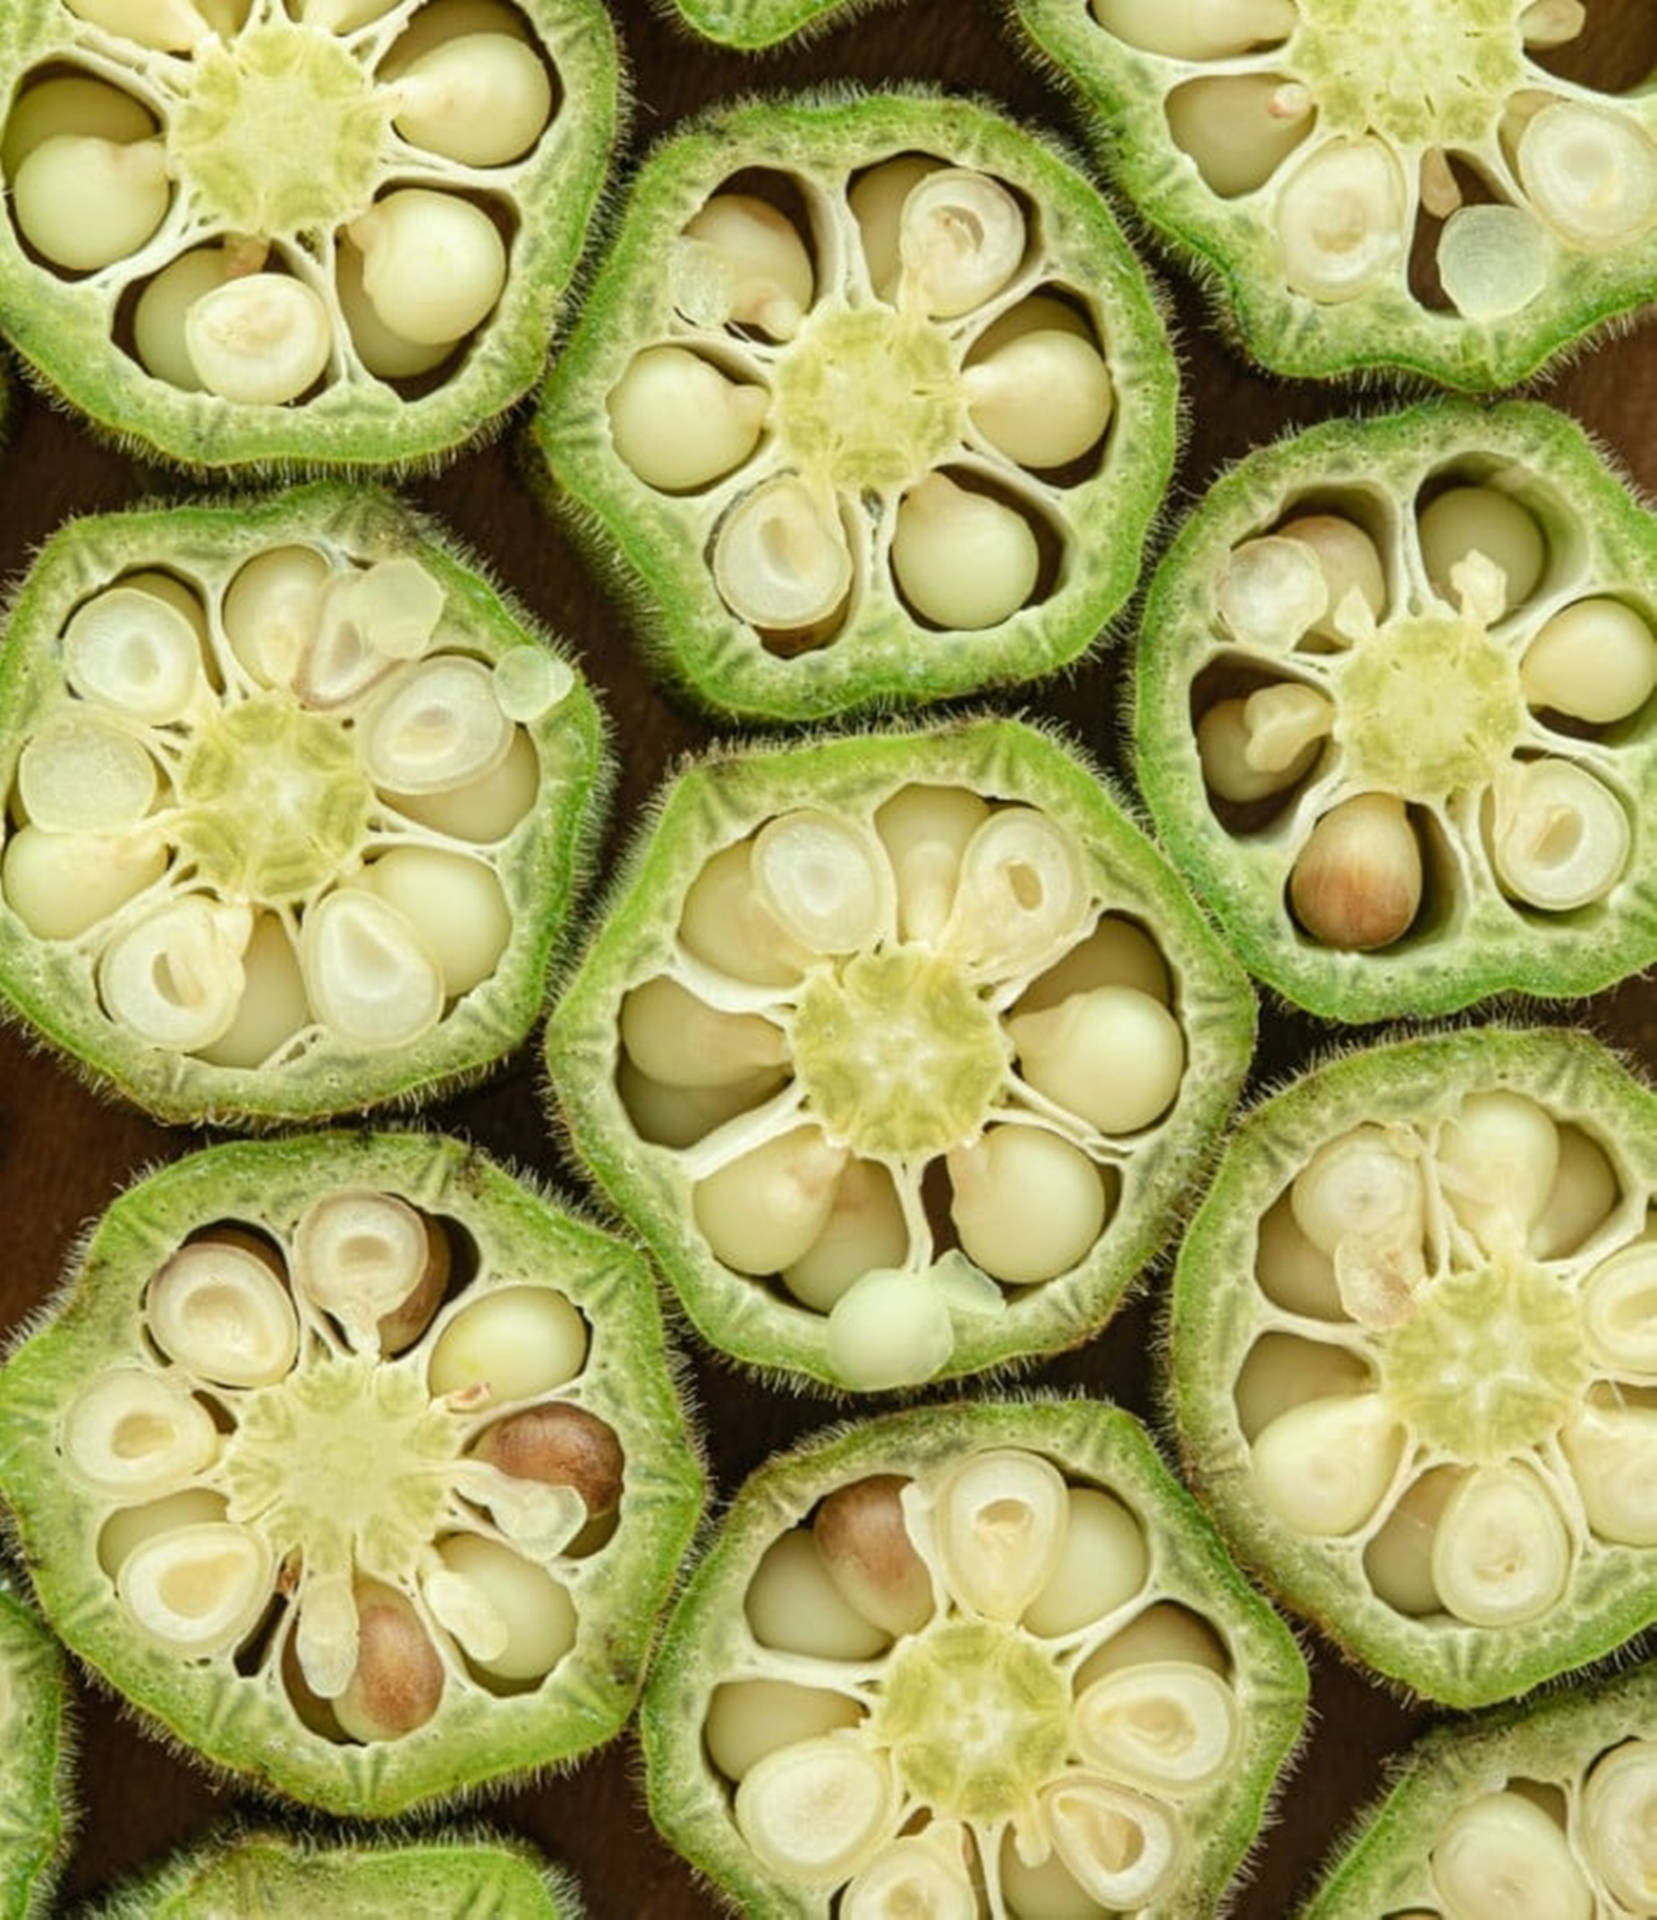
999, 1523
1164, 1631
1590, 173
1292, 1272
1026, 1204
1478, 519
130, 650
218, 1310
925, 831
1043, 399
271, 612
725, 922
70, 103
1238, 128
1399, 1560
1595, 660
824, 879
1324, 1466
1262, 744
793, 1606
86, 202
129, 1527
961, 238
1170, 1728
537, 1611
761, 272
865, 1231
680, 423
1585, 1191
781, 559
383, 351
175, 978
765, 1209
1497, 1163
136, 1435
1112, 1056
456, 906
197, 1590
1502, 1858
816, 1810
480, 98
1560, 838
1122, 1847
485, 808
368, 974
1102, 1564
962, 560
680, 1116
60, 885
891, 1328
80, 773
433, 264
513, 1343
158, 320
1347, 557
1342, 220
1619, 1311
1197, 29
1283, 1370
673, 1037
1501, 1555
260, 340
1117, 953
1619, 1821
747, 1719
1612, 1448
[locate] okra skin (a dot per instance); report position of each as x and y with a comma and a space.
38, 1726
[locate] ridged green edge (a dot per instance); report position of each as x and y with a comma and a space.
638, 539
752, 25
245, 1727
1576, 494
1412, 1082
1090, 1440
39, 1807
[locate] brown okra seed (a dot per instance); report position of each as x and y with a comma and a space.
562, 1445
864, 1543
397, 1682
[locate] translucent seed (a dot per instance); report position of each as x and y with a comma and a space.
260, 340
273, 1006
159, 318
1356, 884
816, 1810
863, 1542
1102, 1564
79, 774
1113, 1056
865, 1230
1342, 220
1619, 1821
1162, 1632
1585, 1191
962, 560
725, 922
1503, 1858
793, 1606
374, 1263
1196, 29
1239, 128
219, 1311
1026, 1204
780, 558
1501, 1555
747, 1719
1348, 559
1047, 1892
925, 831
454, 904
175, 979
70, 103
1282, 1370
1272, 591
1325, 1466
758, 264
199, 1589
1612, 1449
1121, 1847
1497, 1163
483, 809
398, 1681
1000, 1521
129, 650
1619, 1310
763, 1210
1466, 520
1399, 1560
922, 1873
271, 611
480, 98
1263, 744
1117, 953
86, 202
537, 1611
824, 880
1493, 261
679, 422
514, 1343
1560, 838
433, 264
384, 352
1022, 893
1042, 399
1596, 660
367, 972
876, 200
134, 1434
559, 1445
960, 240
128, 1527
1294, 1273
680, 1116
396, 606
1590, 173
674, 1037
890, 1328
1169, 1727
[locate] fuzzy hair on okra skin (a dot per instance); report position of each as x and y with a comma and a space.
37, 1772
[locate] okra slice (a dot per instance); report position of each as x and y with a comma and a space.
751, 24
354, 1466
969, 1659
869, 403
452, 1876
1394, 711
280, 233
295, 806
1369, 186
1414, 1356
1547, 1813
37, 1756
899, 1051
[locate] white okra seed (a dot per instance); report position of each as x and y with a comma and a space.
1113, 1056
679, 423
484, 808
1291, 1270
1342, 220
865, 1231
536, 1609
160, 317
999, 1522
1356, 884
1047, 1892
367, 973
433, 263
747, 1719
383, 351
175, 979
439, 726
455, 905
1169, 1727
397, 1683
674, 1037
1022, 893
759, 264
1362, 1185
925, 831
862, 1539
1324, 1466
1493, 261
1619, 1310
1612, 1448
816, 1811
890, 1328
61, 884
876, 199
480, 98
763, 1210
512, 1344
1239, 128
137, 1435
961, 239
219, 1311
1497, 1162
1043, 398
1475, 519
794, 1606
129, 1527
1117, 953
396, 605
919, 1873
825, 880
780, 557
374, 1263
1197, 29
1551, 23
78, 773
1036, 313
1595, 660
1590, 173
1560, 838
1164, 1631
1272, 590
169, 26
273, 1006
1502, 1857
443, 20
128, 649
680, 1116
1283, 1370
1102, 1564
1121, 1847
198, 1589
961, 559
1585, 1190
1263, 743
1347, 557
271, 609
1501, 1554
726, 923
260, 340
86, 202
1026, 1204
1619, 1821
70, 103
1399, 1559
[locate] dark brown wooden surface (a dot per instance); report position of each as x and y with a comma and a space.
63, 1155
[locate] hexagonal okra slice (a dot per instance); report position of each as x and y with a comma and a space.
869, 403
37, 1755
1545, 1813
297, 232
969, 1659
1394, 713
898, 1050
1369, 185
295, 804
1414, 1356
446, 1875
355, 1466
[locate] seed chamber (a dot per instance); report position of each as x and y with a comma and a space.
366, 1480
896, 1049
293, 807
1375, 184
884, 420
334, 231
983, 1660
1414, 1363
1395, 717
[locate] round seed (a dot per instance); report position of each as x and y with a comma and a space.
1112, 1056
824, 880
1465, 520
128, 1527
1169, 1727
1272, 591
480, 98
725, 922
1619, 1821
218, 1309
383, 351
62, 884
1239, 128
271, 612
680, 1116
1022, 893
1497, 1163
674, 1037
1493, 261
961, 559
864, 1232
433, 264
1047, 1892
747, 1719
455, 906
1503, 1854
198, 1589
137, 1435
1197, 29
439, 727
175, 979
1027, 1204
1292, 1271
367, 972
483, 809
512, 1344
1325, 1466
1042, 399
1164, 1631
1612, 1449
890, 1328
961, 239
86, 202
1117, 953
794, 1606
1585, 1191
1348, 559
1118, 1846
1362, 1186
863, 1542
1102, 1564
765, 1209
1399, 1560
1356, 883
1591, 174
1501, 1554
816, 1810
780, 558
1619, 1310
1263, 744
273, 1007
922, 1873
679, 422
69, 103
925, 831
760, 269
261, 340
160, 318
1000, 1523
876, 199
1596, 660
1282, 1371
1342, 220
129, 650
1560, 839
537, 1611
79, 774
373, 1263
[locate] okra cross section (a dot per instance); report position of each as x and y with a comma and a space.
869, 404
969, 1660
354, 1466
295, 806
898, 1050
1414, 1356
255, 233
1394, 712
1542, 1813
37, 1761
1376, 183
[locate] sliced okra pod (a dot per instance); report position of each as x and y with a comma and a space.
321, 232
899, 1051
295, 807
37, 1762
1370, 185
1542, 1813
1394, 711
973, 1659
1414, 1356
354, 1466
870, 403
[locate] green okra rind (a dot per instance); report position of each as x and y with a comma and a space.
1536, 276
750, 25
320, 1640
901, 1093
658, 547
712, 1640
266, 799
241, 176
1552, 1744
1436, 1336
38, 1731
1430, 713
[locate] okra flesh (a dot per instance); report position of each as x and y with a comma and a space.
1369, 186
869, 405
38, 1776
979, 1659
896, 1050
1413, 1363
295, 807
354, 1467
1394, 713
248, 235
